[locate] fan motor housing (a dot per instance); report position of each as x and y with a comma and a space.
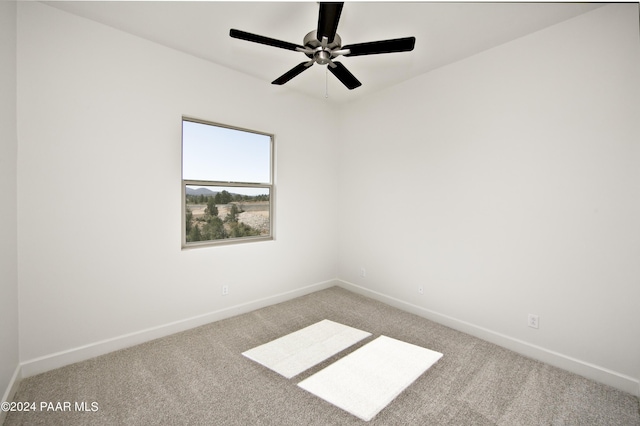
322, 55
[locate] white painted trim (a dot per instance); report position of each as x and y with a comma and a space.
574, 365
11, 390
70, 356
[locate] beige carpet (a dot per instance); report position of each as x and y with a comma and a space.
199, 377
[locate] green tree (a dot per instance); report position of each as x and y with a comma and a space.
211, 207
189, 219
223, 197
214, 229
232, 216
240, 229
194, 234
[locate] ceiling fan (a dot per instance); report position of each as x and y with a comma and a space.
323, 45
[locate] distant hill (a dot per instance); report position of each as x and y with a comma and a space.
201, 191
231, 196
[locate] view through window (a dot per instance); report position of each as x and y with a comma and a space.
227, 181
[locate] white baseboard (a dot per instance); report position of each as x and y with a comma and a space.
11, 390
70, 356
600, 374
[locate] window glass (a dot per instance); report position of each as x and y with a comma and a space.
227, 184
223, 154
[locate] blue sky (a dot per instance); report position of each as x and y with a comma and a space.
219, 154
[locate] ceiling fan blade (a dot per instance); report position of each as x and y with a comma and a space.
343, 74
328, 18
384, 46
243, 35
292, 73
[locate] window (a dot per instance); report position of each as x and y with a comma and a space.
227, 184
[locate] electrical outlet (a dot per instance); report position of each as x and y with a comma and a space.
533, 321
363, 272
420, 289
225, 290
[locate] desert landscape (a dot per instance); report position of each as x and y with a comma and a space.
253, 213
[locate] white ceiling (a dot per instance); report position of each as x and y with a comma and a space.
445, 32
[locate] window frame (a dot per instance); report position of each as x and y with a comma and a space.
226, 184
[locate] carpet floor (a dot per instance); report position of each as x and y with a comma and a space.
199, 377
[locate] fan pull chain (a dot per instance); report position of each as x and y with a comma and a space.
326, 83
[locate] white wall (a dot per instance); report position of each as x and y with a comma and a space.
99, 122
508, 184
9, 354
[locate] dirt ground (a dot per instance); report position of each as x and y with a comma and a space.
255, 214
